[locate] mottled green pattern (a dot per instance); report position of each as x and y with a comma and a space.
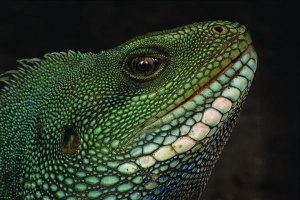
82, 126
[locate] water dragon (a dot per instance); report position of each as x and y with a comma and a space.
145, 120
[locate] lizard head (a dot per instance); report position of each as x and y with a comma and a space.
146, 119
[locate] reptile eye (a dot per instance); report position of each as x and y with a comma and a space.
144, 67
219, 29
70, 140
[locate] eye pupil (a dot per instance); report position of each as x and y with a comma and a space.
143, 65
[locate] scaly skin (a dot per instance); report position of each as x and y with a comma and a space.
108, 126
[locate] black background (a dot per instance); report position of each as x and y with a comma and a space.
261, 159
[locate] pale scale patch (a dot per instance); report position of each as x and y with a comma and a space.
164, 153
128, 168
231, 93
245, 58
183, 144
237, 65
149, 148
184, 129
146, 161
247, 72
252, 64
239, 82
199, 131
211, 117
222, 104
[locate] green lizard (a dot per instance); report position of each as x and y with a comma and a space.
144, 120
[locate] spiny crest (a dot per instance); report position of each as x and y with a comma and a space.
11, 77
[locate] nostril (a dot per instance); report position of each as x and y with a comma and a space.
218, 29
70, 140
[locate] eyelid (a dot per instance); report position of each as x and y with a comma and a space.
147, 50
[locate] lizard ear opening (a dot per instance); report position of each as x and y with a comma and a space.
70, 141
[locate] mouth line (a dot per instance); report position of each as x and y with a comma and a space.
199, 90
